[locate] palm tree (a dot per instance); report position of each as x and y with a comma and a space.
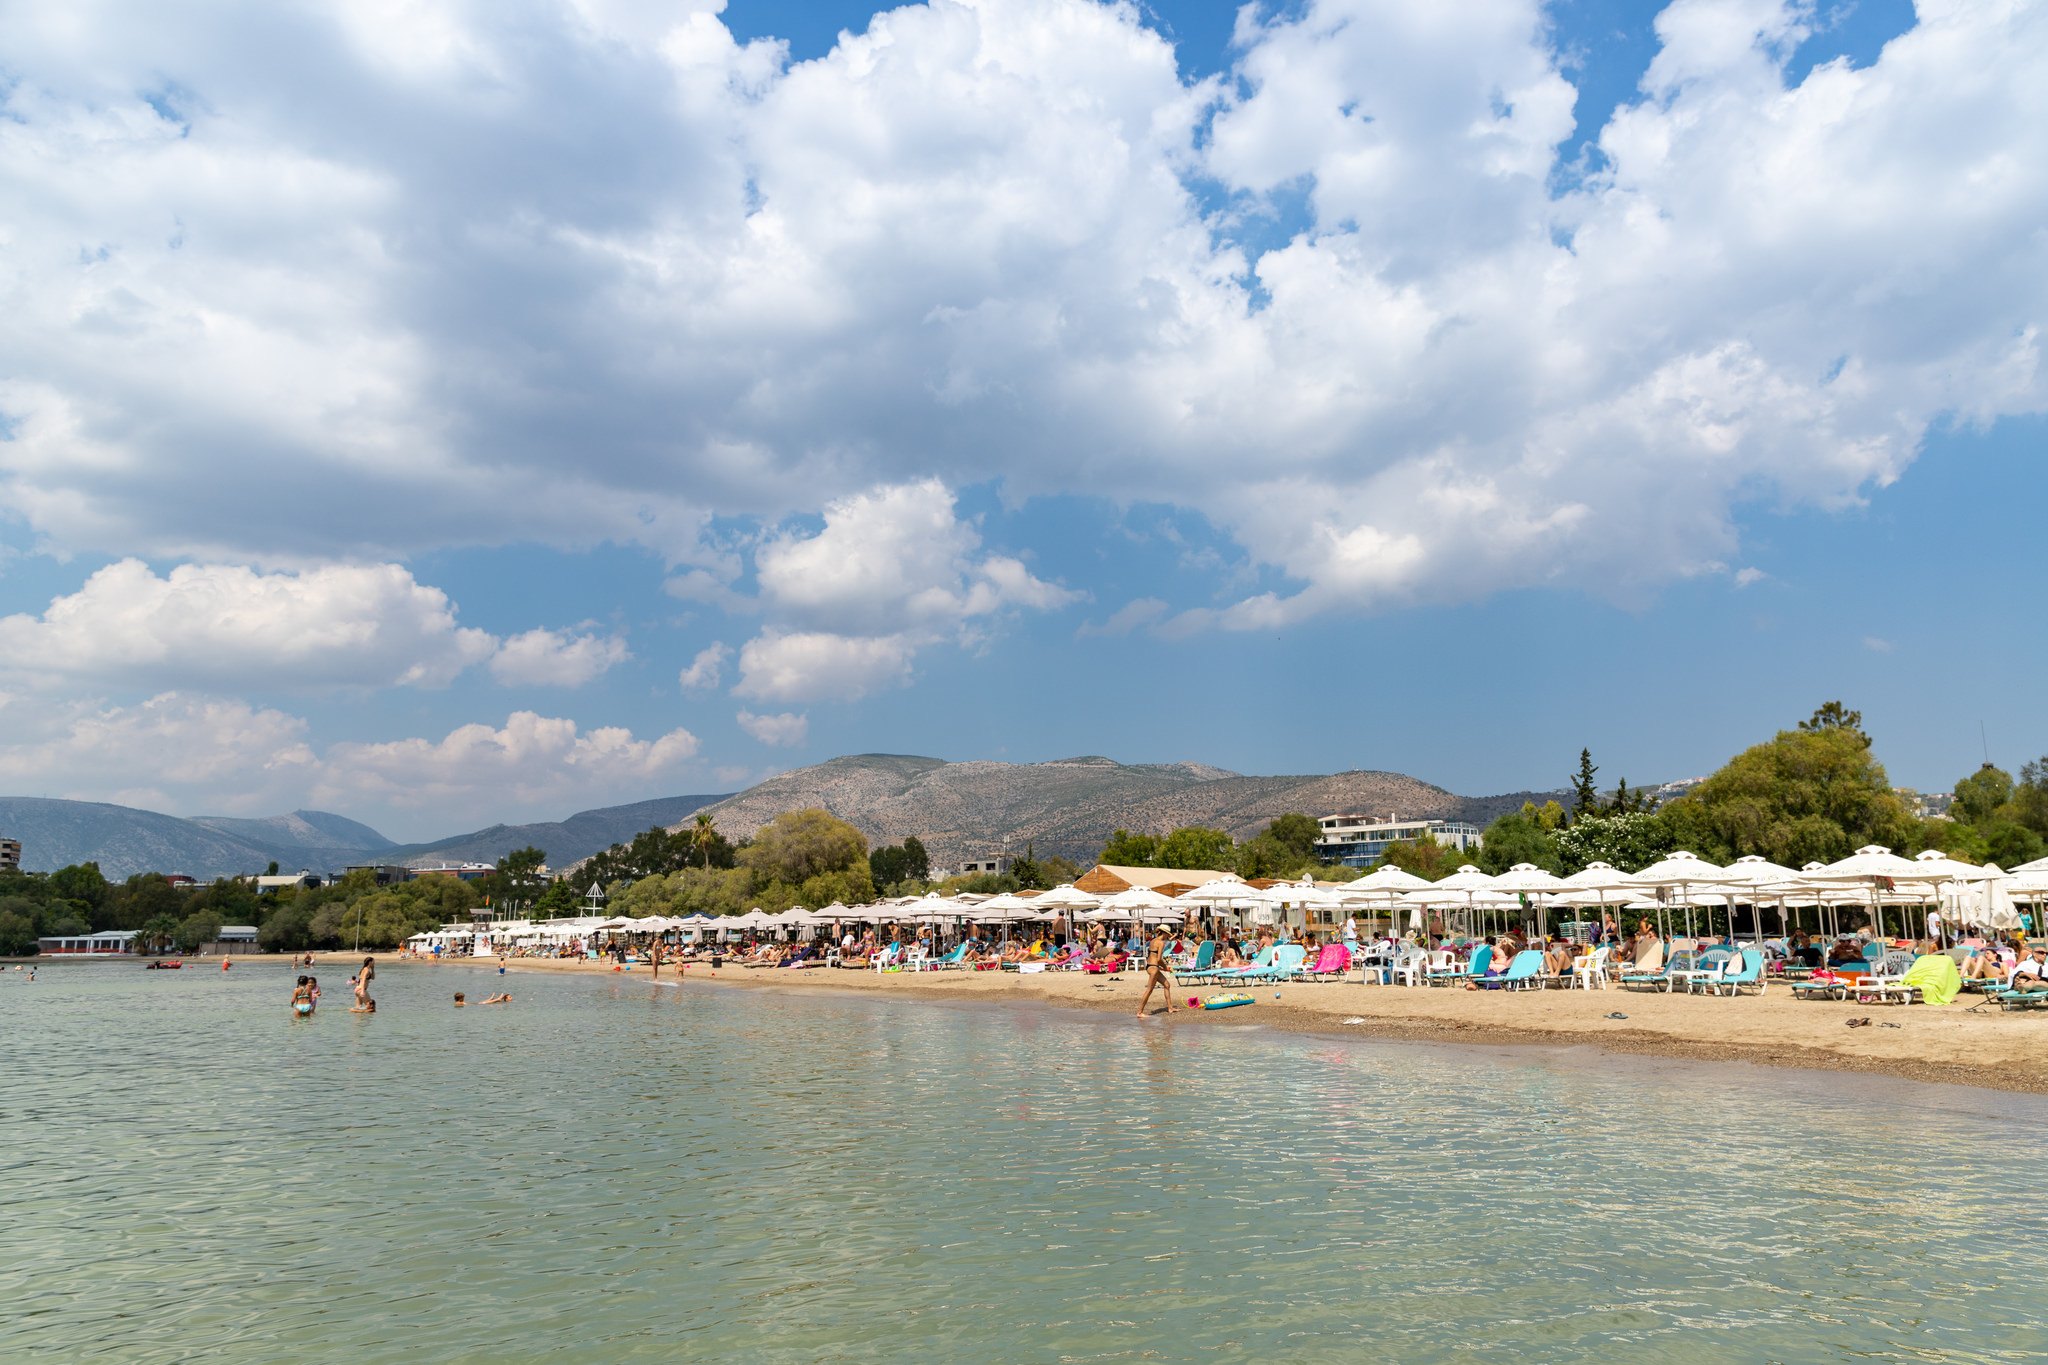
702, 838
155, 932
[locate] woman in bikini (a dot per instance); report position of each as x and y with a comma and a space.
1156, 972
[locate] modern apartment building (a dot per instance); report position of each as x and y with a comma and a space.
1361, 840
10, 855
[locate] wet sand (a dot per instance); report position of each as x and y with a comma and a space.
1948, 1044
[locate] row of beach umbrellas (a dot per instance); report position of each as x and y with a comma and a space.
1873, 877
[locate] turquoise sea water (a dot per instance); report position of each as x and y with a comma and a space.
610, 1169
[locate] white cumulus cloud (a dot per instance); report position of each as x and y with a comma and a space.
556, 658
785, 730
532, 763
893, 570
225, 625
705, 669
820, 665
201, 753
190, 753
1000, 240
230, 626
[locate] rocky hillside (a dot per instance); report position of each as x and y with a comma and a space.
1069, 807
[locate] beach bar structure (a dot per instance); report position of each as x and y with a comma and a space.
107, 943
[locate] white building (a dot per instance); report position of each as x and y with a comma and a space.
106, 943
1361, 840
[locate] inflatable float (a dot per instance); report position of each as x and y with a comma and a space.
1224, 1002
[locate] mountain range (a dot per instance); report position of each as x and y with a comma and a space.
1067, 807
1070, 806
125, 841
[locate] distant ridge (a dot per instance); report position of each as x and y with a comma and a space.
564, 841
1066, 807
1069, 806
125, 841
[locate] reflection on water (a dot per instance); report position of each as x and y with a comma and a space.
620, 1170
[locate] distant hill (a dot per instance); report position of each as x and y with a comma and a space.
125, 841
960, 810
313, 836
1069, 807
564, 841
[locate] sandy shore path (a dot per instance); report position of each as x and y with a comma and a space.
1949, 1044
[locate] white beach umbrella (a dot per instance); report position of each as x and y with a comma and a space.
1683, 870
1383, 886
1527, 879
1137, 900
1873, 866
1460, 888
1066, 897
1753, 873
1220, 892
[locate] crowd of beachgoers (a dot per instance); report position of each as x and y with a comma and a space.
1860, 965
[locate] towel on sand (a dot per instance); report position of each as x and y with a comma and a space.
1936, 977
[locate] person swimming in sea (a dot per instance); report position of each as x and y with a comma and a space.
505, 999
459, 1001
302, 999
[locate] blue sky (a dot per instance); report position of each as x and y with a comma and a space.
488, 414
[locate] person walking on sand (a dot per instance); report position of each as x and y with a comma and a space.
1156, 972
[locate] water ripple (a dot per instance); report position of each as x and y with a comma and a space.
615, 1171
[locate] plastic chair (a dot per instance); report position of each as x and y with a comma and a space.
1589, 970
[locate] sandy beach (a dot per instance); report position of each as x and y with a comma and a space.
1949, 1044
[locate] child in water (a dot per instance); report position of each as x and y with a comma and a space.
459, 1002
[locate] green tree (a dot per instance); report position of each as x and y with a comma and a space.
1628, 840
1296, 833
1585, 794
1812, 793
800, 844
1832, 716
80, 882
917, 864
886, 864
138, 899
1192, 846
557, 902
902, 864
198, 928
1058, 871
156, 934
2030, 797
1126, 849
1260, 856
516, 883
1424, 857
288, 929
17, 934
1520, 837
1980, 796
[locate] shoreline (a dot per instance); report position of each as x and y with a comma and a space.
1938, 1045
